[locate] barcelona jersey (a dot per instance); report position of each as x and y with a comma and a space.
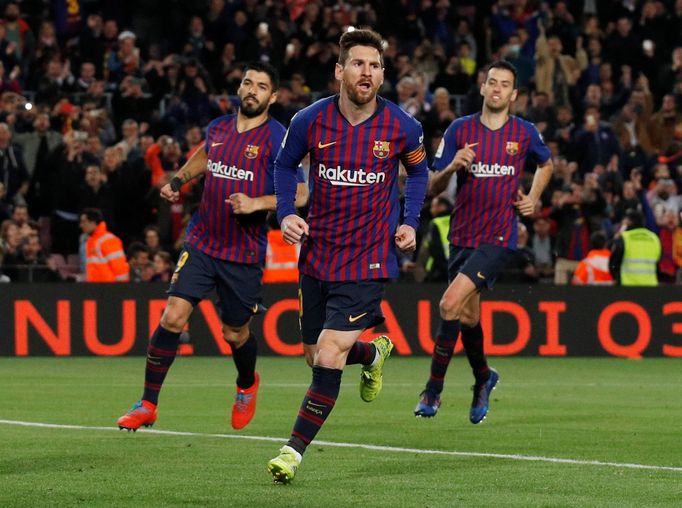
484, 212
354, 196
237, 162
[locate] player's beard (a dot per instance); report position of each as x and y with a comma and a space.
500, 108
357, 97
253, 109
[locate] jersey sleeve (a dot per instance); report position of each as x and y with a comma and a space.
538, 151
446, 149
414, 160
209, 128
300, 174
294, 146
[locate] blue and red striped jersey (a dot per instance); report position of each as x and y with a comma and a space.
354, 198
237, 162
484, 212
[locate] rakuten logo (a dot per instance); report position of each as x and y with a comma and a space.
485, 170
231, 172
350, 177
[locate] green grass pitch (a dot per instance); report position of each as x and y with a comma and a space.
607, 410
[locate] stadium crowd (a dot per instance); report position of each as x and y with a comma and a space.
100, 106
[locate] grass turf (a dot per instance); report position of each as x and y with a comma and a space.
607, 410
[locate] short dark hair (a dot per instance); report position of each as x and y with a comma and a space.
502, 64
635, 217
598, 240
135, 248
93, 215
267, 69
360, 38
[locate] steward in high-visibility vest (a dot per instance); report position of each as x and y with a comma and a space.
281, 259
594, 269
635, 255
432, 258
105, 259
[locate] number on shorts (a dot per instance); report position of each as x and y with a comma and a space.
181, 262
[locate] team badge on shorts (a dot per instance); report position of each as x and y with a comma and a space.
512, 147
381, 149
251, 151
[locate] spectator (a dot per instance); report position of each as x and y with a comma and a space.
13, 173
542, 246
105, 259
130, 144
129, 183
663, 198
38, 143
126, 60
130, 101
440, 115
623, 47
31, 265
432, 259
627, 200
663, 122
8, 55
452, 78
95, 192
556, 73
594, 269
8, 80
87, 76
5, 208
542, 113
670, 234
163, 267
595, 143
521, 268
633, 135
635, 253
54, 82
138, 259
670, 72
91, 42
62, 184
152, 239
525, 66
19, 34
573, 211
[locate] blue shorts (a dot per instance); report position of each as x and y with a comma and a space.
483, 265
345, 306
238, 285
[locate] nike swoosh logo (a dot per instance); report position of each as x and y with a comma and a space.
314, 404
213, 145
353, 319
480, 275
325, 145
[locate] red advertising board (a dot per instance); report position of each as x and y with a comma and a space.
117, 319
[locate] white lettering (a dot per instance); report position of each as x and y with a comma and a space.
486, 170
230, 172
350, 177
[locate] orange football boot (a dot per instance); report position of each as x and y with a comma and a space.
244, 406
142, 413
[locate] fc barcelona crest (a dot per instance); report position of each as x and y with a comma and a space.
251, 151
381, 149
512, 147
